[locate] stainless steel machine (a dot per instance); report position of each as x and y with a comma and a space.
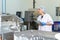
34, 35
9, 25
11, 22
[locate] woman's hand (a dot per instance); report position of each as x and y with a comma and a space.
48, 23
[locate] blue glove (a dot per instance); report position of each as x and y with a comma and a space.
43, 23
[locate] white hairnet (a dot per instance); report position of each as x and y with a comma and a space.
43, 8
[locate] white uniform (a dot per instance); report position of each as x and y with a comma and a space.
46, 18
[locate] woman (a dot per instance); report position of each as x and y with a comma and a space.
45, 20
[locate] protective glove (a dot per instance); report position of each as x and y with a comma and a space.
42, 23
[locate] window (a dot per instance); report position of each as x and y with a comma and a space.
57, 11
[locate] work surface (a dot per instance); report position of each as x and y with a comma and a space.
4, 32
30, 33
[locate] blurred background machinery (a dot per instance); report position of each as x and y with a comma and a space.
30, 18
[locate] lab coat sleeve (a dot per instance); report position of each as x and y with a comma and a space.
50, 19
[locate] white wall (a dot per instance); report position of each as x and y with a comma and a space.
0, 6
50, 6
17, 5
22, 5
0, 13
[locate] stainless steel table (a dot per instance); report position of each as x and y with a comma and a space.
34, 35
7, 34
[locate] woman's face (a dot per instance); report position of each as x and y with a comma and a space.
40, 11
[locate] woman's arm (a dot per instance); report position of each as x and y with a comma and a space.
48, 23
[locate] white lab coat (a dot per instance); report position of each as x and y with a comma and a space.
46, 18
